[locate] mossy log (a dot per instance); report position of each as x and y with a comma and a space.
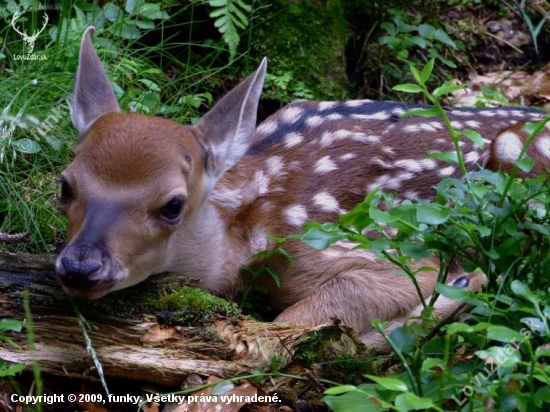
129, 338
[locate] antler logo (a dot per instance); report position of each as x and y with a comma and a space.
29, 40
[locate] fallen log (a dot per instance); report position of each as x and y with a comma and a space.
131, 341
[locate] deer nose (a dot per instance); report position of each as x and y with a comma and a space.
80, 266
77, 268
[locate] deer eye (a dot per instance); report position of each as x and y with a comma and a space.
171, 212
66, 193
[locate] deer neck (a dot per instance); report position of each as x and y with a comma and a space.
217, 242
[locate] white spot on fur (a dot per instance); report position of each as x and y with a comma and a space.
261, 181
293, 139
291, 114
447, 171
427, 127
341, 134
397, 111
457, 125
464, 113
362, 137
267, 127
436, 125
508, 146
314, 121
388, 150
327, 105
335, 116
382, 115
296, 215
472, 157
405, 176
382, 163
325, 165
327, 202
379, 182
410, 194
274, 165
327, 138
412, 128
409, 164
428, 164
502, 112
543, 144
389, 128
348, 156
487, 113
356, 103
258, 239
473, 124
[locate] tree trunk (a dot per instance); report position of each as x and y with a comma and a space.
137, 346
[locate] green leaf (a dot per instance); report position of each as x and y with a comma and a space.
150, 85
392, 384
507, 356
432, 214
443, 90
427, 71
421, 112
222, 387
458, 327
353, 401
525, 164
408, 88
389, 27
503, 334
449, 157
11, 325
11, 371
132, 6
402, 339
426, 30
112, 12
320, 240
431, 363
338, 390
473, 136
452, 292
444, 38
520, 289
410, 402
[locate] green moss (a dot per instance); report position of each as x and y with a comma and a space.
189, 306
185, 306
304, 41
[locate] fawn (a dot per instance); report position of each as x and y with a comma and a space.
146, 195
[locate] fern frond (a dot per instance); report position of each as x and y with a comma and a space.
230, 16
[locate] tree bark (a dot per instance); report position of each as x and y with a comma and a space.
137, 346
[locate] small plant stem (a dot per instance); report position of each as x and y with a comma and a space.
410, 374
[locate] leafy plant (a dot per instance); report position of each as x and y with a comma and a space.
230, 16
402, 37
9, 325
252, 298
487, 220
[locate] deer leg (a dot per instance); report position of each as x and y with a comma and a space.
356, 297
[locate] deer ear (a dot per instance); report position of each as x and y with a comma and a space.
227, 129
93, 95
